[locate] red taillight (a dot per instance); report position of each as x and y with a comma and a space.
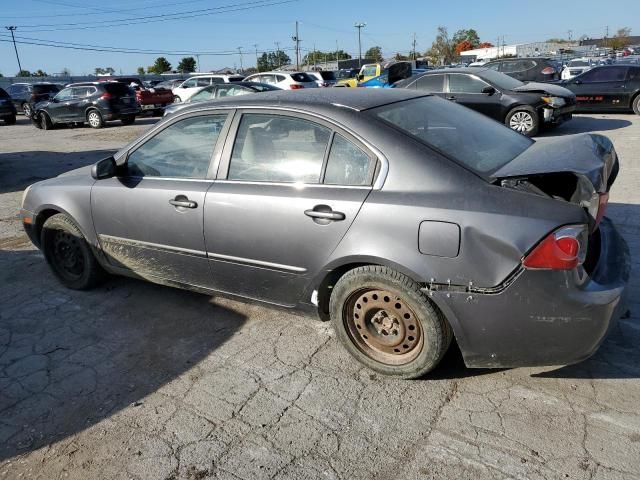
548, 71
563, 249
106, 96
603, 200
295, 87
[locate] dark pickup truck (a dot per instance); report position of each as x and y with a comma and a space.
150, 99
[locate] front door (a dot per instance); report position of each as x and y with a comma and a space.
149, 220
467, 90
602, 88
58, 108
289, 188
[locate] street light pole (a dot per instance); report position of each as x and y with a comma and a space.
255, 45
360, 26
278, 53
12, 29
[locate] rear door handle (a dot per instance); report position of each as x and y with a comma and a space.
324, 215
182, 201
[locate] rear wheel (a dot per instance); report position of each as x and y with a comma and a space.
11, 120
68, 253
94, 119
385, 321
636, 105
128, 120
26, 109
523, 120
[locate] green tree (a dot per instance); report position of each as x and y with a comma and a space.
374, 53
187, 64
23, 73
399, 57
161, 65
442, 48
272, 61
104, 71
470, 35
140, 70
39, 73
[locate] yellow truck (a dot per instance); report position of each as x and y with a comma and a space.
367, 72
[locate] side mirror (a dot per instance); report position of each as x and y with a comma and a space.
489, 90
105, 168
55, 100
577, 82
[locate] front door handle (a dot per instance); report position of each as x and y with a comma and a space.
452, 98
324, 214
182, 201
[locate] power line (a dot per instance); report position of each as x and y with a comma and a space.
238, 7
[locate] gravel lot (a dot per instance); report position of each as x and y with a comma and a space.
139, 381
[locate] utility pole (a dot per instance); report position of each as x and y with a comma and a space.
12, 29
198, 64
360, 26
255, 45
241, 67
570, 33
296, 39
605, 35
414, 47
278, 53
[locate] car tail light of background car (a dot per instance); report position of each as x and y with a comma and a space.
563, 249
106, 96
295, 87
548, 71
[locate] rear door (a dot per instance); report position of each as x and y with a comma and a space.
601, 88
288, 188
156, 231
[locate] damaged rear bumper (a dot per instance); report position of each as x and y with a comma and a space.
542, 317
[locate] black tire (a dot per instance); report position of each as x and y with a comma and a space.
10, 120
94, 119
68, 254
176, 99
524, 120
157, 113
45, 121
26, 109
415, 333
128, 120
636, 105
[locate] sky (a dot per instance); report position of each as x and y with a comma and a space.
215, 29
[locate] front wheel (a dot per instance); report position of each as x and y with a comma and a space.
636, 105
523, 120
68, 253
94, 119
45, 121
385, 321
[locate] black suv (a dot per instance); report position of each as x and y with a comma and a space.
7, 109
526, 69
26, 95
91, 102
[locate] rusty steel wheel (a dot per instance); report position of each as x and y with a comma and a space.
387, 323
383, 326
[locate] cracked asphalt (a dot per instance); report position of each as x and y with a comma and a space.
139, 381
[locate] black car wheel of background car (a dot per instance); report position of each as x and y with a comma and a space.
129, 120
26, 109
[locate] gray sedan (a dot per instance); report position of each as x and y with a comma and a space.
405, 219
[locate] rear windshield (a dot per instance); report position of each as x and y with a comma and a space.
3, 94
477, 142
500, 80
301, 77
37, 89
328, 75
578, 63
117, 88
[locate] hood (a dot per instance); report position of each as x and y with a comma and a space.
589, 156
82, 171
545, 88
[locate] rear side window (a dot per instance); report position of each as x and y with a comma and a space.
182, 150
274, 148
431, 83
279, 78
117, 88
301, 77
494, 66
460, 83
203, 82
347, 164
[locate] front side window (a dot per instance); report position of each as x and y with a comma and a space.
190, 83
431, 83
274, 148
460, 83
347, 164
473, 140
182, 150
369, 71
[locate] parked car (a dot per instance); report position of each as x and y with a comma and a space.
190, 86
524, 107
367, 72
221, 90
324, 78
26, 95
535, 69
607, 88
7, 108
91, 102
152, 100
284, 80
577, 66
405, 219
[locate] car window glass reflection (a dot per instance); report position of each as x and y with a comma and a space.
465, 84
273, 148
347, 164
182, 150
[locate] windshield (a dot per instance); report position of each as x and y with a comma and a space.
301, 77
500, 80
477, 142
578, 63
